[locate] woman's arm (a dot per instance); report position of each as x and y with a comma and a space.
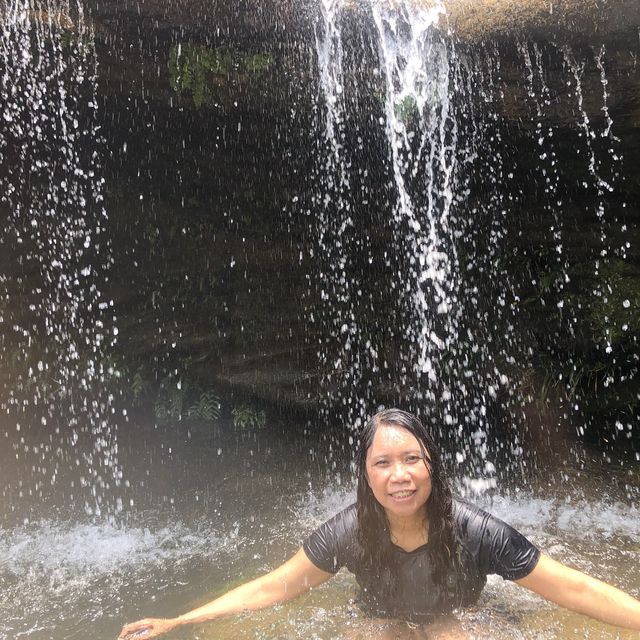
579, 592
293, 578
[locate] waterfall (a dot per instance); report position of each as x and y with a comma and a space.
55, 324
426, 109
463, 346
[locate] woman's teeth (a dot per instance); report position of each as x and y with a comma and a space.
402, 494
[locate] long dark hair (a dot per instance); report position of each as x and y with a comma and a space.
373, 527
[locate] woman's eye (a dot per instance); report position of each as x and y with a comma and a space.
412, 459
381, 463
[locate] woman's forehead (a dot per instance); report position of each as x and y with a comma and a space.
389, 437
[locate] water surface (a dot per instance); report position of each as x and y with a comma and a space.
211, 510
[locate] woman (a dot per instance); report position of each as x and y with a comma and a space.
417, 553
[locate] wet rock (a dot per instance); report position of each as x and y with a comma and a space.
588, 21
474, 20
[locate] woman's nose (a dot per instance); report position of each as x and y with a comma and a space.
398, 471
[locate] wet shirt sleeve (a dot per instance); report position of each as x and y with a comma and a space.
505, 551
332, 544
497, 547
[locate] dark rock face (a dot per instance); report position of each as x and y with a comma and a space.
211, 117
208, 275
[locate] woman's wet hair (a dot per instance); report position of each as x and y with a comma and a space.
373, 526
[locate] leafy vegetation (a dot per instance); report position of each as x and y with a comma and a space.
405, 109
199, 70
247, 417
174, 397
205, 408
178, 401
616, 311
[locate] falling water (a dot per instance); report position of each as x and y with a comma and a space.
55, 323
434, 135
540, 96
339, 285
423, 143
454, 202
596, 149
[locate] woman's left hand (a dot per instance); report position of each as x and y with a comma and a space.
147, 628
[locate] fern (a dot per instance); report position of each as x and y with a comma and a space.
206, 408
245, 417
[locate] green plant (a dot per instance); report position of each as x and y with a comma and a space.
246, 417
258, 62
197, 69
178, 400
206, 408
615, 312
406, 108
139, 385
169, 403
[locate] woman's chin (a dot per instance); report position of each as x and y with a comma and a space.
405, 507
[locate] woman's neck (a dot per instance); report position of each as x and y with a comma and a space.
410, 531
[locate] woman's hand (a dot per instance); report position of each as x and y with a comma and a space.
147, 628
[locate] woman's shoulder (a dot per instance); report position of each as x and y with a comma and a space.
463, 509
476, 526
496, 546
333, 544
470, 520
346, 519
462, 505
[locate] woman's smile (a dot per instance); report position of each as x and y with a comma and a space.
402, 496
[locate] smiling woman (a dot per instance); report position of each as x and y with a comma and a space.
417, 552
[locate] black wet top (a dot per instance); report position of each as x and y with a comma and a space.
487, 545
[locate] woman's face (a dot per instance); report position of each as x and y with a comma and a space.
396, 471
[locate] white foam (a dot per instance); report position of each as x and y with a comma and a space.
608, 520
314, 508
56, 574
101, 548
592, 519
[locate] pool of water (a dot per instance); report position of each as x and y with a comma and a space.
213, 509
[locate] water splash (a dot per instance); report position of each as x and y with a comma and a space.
594, 518
58, 577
